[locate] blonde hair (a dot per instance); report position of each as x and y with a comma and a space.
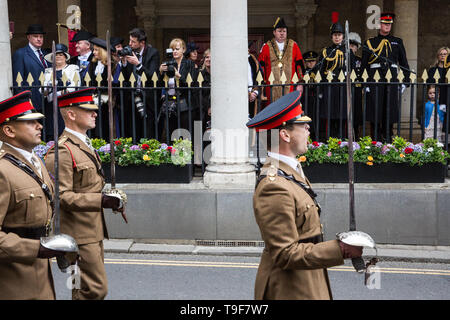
437, 55
176, 41
207, 52
102, 55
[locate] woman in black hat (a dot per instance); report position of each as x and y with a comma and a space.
63, 70
192, 53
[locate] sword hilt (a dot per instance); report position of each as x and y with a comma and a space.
358, 264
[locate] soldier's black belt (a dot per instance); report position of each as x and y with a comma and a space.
315, 239
29, 233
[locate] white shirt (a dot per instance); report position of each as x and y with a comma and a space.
84, 57
99, 68
27, 155
280, 46
35, 50
291, 162
79, 135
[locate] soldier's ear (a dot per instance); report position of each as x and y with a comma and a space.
8, 131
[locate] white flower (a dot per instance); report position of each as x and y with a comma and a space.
440, 145
430, 149
367, 147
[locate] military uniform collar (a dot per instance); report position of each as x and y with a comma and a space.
286, 168
24, 153
79, 135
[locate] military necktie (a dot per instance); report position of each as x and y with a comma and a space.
41, 57
300, 170
37, 164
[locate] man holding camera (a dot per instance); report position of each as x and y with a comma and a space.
141, 58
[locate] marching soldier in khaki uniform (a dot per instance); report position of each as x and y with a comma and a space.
294, 261
81, 183
25, 204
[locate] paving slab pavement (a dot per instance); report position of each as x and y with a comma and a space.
413, 253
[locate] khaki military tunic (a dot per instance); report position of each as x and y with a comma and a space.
23, 204
285, 214
82, 217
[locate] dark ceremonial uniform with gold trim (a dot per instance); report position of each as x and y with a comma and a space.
392, 48
332, 60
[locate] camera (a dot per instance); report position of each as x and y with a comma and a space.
170, 63
139, 103
127, 51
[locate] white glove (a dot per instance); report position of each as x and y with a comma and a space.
443, 108
403, 88
367, 89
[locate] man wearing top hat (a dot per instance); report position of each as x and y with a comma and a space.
382, 53
81, 183
84, 51
281, 55
30, 60
294, 261
25, 204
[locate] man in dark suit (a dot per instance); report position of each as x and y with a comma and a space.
85, 54
145, 59
30, 60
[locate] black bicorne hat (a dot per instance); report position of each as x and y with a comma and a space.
279, 23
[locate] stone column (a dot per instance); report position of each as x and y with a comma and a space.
105, 15
63, 17
229, 164
406, 27
5, 46
304, 10
146, 14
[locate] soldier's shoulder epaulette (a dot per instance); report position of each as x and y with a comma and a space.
62, 140
270, 172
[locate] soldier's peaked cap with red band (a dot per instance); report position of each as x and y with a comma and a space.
18, 107
387, 17
285, 110
81, 98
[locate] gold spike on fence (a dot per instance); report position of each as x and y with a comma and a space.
365, 75
341, 76
166, 79
143, 79
87, 79
121, 79
306, 78
30, 79
425, 76
132, 80
200, 79
330, 76
42, 79
376, 77
76, 79
388, 75
271, 78
99, 80
259, 78
283, 78
295, 78
155, 79
436, 76
353, 76
412, 77
318, 77
188, 80
64, 79
19, 79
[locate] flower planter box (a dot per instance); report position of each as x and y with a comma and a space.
400, 173
326, 173
377, 173
164, 173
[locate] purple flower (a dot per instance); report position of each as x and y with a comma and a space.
344, 144
105, 149
418, 148
379, 144
50, 144
329, 154
163, 146
356, 146
40, 150
134, 147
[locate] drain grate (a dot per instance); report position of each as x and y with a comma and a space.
229, 243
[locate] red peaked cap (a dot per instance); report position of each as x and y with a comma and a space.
81, 98
286, 109
18, 107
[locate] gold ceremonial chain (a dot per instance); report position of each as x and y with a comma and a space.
338, 60
279, 54
383, 43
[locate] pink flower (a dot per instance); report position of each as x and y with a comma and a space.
329, 154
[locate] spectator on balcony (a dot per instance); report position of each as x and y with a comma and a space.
206, 92
144, 60
382, 53
192, 53
430, 116
175, 100
84, 50
309, 104
71, 72
333, 105
29, 60
442, 91
281, 55
355, 45
253, 91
